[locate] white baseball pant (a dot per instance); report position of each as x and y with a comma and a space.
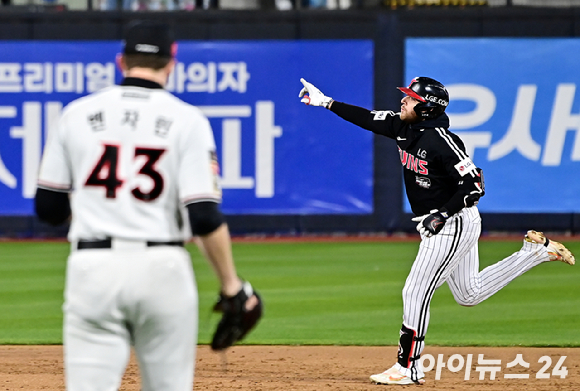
115, 298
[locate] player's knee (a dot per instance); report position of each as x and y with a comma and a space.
466, 301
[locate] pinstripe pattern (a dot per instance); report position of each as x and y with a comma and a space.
452, 256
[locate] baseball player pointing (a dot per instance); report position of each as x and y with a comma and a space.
140, 166
443, 186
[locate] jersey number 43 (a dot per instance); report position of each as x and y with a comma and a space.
105, 173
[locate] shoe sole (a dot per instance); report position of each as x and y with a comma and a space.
563, 252
403, 382
565, 255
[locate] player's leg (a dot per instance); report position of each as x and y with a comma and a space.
95, 357
165, 327
465, 282
96, 343
419, 287
436, 260
470, 286
437, 257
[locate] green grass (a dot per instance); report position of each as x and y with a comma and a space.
31, 292
340, 293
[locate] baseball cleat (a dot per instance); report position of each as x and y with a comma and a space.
557, 251
394, 376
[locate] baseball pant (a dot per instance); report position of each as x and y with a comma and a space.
452, 256
145, 297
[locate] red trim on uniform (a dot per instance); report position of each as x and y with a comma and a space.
160, 182
53, 186
412, 348
200, 198
411, 93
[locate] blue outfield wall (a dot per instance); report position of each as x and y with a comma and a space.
291, 169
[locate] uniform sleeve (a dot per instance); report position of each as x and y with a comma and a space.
204, 217
199, 169
51, 206
468, 177
55, 169
385, 123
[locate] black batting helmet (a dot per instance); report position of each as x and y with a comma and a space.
432, 96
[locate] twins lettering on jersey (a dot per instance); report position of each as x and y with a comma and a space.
413, 163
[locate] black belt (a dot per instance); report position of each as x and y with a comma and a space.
108, 243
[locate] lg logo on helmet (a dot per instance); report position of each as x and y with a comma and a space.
436, 100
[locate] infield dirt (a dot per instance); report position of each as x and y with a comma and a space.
314, 368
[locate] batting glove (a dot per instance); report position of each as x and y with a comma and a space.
314, 97
433, 223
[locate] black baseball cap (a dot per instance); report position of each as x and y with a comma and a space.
149, 37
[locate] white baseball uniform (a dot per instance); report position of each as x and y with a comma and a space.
132, 156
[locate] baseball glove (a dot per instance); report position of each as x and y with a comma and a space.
237, 320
